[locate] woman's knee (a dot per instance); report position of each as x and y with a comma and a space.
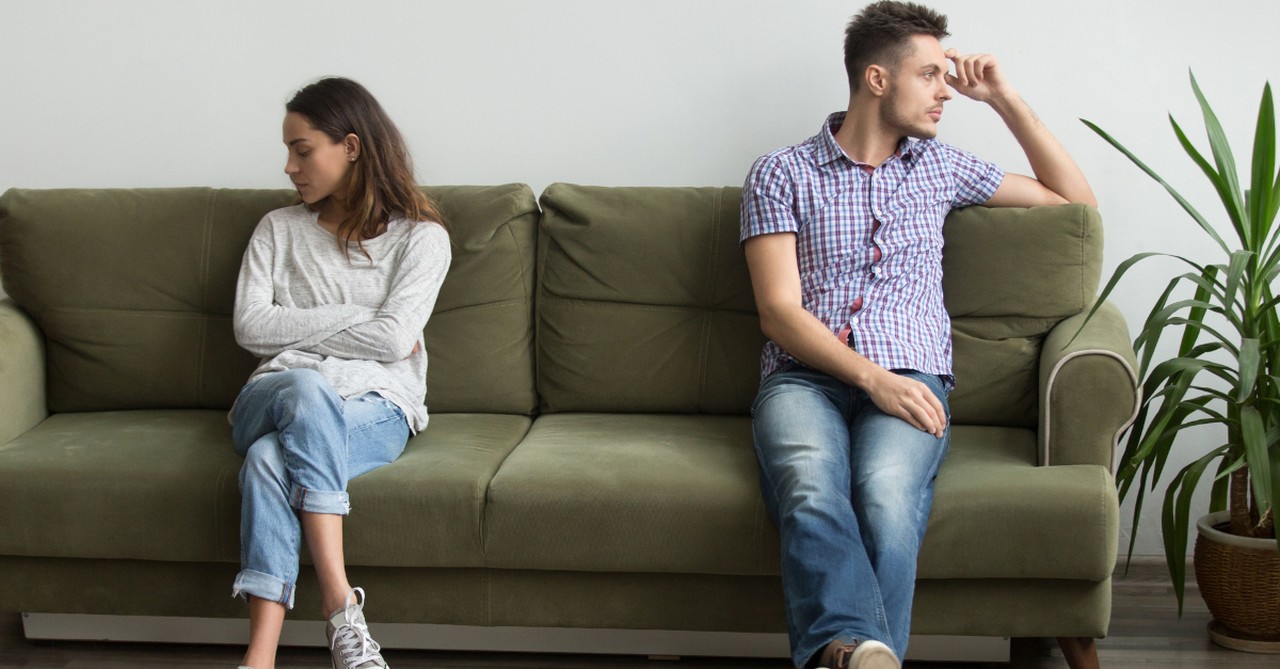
264, 463
305, 386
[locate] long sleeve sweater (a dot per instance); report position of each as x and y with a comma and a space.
301, 303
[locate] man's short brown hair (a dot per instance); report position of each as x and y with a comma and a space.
881, 35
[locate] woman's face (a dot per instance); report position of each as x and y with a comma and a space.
317, 165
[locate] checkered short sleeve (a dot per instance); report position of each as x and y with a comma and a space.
768, 199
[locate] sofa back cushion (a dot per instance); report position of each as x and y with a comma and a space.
133, 290
643, 301
1009, 275
665, 321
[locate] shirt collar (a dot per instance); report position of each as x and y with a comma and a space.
828, 151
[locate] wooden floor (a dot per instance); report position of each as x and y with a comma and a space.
1146, 633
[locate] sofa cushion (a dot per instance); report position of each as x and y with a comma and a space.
631, 492
1009, 275
997, 514
643, 493
1042, 262
133, 290
480, 336
163, 485
664, 321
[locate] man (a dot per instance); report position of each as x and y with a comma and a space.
843, 237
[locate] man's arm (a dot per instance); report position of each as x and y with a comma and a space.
1058, 178
775, 279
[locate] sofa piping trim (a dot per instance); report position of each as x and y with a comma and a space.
1048, 402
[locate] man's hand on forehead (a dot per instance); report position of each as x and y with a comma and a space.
977, 76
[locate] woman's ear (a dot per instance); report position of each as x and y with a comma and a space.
351, 143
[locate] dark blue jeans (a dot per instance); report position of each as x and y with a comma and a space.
850, 489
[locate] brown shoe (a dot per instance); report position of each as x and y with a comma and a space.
864, 655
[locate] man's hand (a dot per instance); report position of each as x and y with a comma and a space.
909, 400
978, 76
1058, 180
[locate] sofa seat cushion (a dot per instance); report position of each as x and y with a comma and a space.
426, 508
646, 493
996, 514
632, 492
163, 485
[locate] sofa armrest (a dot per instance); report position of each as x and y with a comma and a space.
22, 396
1089, 392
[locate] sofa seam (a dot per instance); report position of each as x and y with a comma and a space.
1045, 438
496, 304
206, 242
488, 489
705, 343
1083, 234
641, 306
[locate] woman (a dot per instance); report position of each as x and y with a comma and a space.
332, 296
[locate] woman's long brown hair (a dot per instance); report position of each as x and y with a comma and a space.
380, 185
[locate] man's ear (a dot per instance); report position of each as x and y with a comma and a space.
876, 79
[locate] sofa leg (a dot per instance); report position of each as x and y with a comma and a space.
1081, 652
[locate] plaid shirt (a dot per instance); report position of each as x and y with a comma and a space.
868, 240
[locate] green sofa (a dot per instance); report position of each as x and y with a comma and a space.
593, 356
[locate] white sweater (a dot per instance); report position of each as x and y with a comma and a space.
302, 304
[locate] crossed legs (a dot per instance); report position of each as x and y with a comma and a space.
302, 443
850, 489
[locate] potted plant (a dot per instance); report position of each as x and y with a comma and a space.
1225, 373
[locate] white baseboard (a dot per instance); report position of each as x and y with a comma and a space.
155, 629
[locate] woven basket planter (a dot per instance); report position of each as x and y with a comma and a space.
1239, 579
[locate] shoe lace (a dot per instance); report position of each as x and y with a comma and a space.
352, 640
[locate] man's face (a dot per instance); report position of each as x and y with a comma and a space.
917, 88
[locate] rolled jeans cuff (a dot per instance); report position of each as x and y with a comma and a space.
263, 586
320, 501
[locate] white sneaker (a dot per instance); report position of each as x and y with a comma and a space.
350, 646
873, 655
868, 654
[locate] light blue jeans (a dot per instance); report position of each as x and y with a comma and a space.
301, 443
850, 489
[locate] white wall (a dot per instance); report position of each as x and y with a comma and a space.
139, 93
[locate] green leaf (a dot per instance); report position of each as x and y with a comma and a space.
1221, 484
1186, 206
1220, 184
1229, 191
1255, 448
1176, 519
1236, 273
1261, 207
1273, 208
1106, 291
1250, 359
1190, 335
